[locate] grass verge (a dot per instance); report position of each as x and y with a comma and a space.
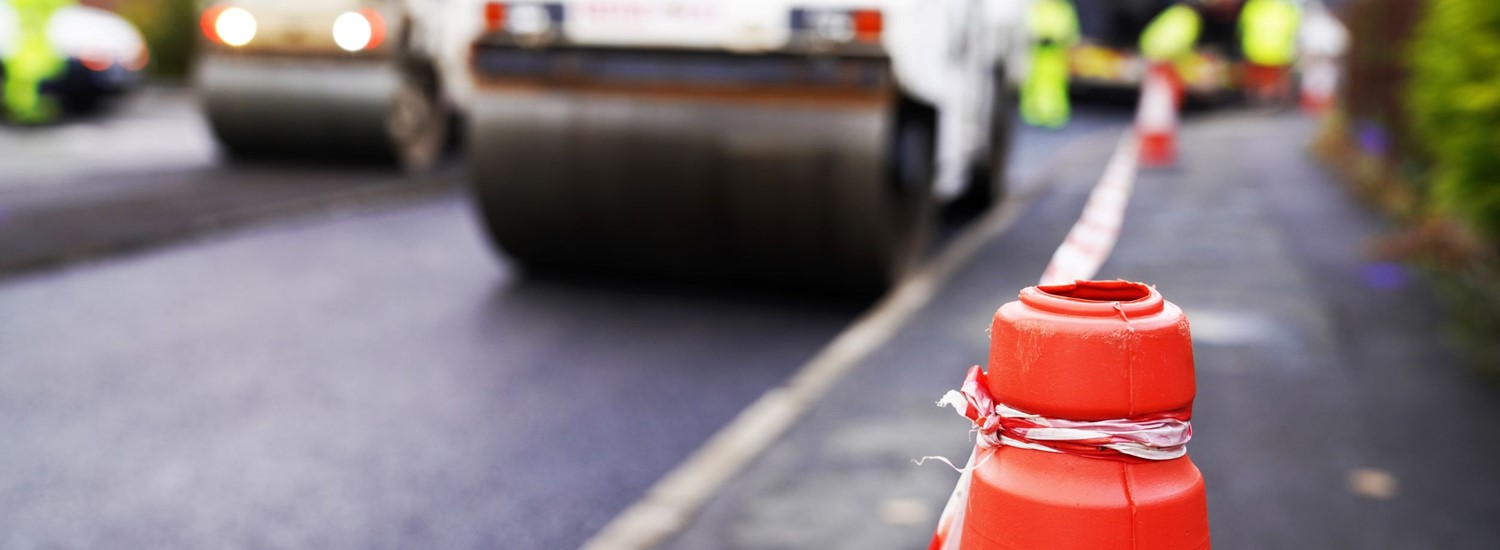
1463, 267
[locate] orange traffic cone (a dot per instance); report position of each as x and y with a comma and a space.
1156, 117
1083, 421
1320, 81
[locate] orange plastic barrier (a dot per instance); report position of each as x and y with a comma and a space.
1320, 78
1156, 117
1093, 350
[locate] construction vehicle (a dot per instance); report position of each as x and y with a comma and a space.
800, 142
1108, 58
345, 77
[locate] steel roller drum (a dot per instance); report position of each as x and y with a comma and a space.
793, 194
326, 107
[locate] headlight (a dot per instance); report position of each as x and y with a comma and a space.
494, 16
359, 30
96, 60
231, 26
142, 57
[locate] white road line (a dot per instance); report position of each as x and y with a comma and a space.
670, 504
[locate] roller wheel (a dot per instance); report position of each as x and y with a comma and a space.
794, 197
317, 109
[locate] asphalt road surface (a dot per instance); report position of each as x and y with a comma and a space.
149, 173
348, 375
349, 366
1332, 411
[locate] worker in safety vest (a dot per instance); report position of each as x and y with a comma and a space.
1170, 38
1171, 35
1053, 25
1268, 38
33, 61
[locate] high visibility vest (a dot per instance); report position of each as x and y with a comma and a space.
33, 46
31, 60
1053, 21
1171, 34
1268, 31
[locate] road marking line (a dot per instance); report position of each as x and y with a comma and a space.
670, 504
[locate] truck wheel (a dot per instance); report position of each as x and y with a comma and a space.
912, 169
305, 109
417, 124
986, 186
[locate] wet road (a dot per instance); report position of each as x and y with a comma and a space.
371, 379
366, 383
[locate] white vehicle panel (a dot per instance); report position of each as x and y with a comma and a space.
941, 52
914, 31
706, 24
678, 23
75, 30
78, 30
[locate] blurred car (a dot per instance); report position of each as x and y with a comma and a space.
104, 54
1107, 57
328, 76
770, 139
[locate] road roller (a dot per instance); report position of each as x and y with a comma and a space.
326, 77
803, 142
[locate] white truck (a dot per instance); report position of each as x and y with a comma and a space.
801, 141
336, 76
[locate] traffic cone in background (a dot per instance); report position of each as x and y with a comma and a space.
1320, 81
1083, 419
1156, 117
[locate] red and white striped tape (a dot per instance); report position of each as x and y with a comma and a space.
1161, 436
1087, 246
1155, 437
1093, 237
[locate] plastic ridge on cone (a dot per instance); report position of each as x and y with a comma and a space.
1085, 351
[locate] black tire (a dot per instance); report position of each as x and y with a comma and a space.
911, 169
417, 124
393, 111
656, 188
89, 102
986, 184
239, 145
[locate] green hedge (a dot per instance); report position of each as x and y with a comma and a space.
170, 28
1453, 103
